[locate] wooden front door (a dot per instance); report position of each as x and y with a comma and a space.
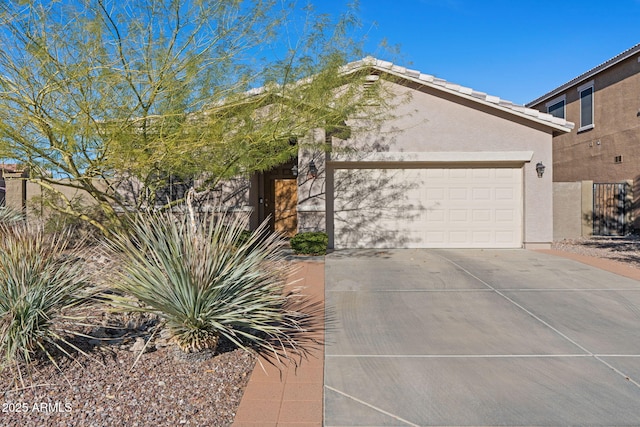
280, 190
285, 213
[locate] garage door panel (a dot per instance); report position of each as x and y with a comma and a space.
436, 237
504, 194
504, 237
482, 194
436, 215
435, 173
434, 194
481, 237
481, 215
456, 173
506, 215
480, 173
418, 208
458, 215
458, 236
458, 193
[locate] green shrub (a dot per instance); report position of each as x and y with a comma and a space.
208, 281
41, 283
310, 243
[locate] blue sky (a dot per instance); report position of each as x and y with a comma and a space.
515, 49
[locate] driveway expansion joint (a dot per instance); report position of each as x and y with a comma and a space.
547, 324
375, 408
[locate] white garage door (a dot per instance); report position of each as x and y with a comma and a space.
428, 208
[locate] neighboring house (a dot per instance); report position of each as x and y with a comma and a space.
604, 102
450, 168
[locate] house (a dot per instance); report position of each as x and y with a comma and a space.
445, 167
449, 168
602, 150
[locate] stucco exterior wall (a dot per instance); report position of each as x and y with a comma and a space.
15, 191
567, 210
432, 121
312, 190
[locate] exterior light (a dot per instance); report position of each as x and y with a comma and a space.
313, 170
540, 169
294, 169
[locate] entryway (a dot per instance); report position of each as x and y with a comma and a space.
279, 199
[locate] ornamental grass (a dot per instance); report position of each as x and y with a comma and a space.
207, 279
42, 285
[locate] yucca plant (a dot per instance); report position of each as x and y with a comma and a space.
41, 283
207, 279
9, 217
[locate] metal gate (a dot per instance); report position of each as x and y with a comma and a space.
3, 192
611, 209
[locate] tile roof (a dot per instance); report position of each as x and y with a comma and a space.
11, 167
588, 74
469, 93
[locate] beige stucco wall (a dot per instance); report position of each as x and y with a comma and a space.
567, 210
435, 122
36, 208
15, 191
587, 208
312, 190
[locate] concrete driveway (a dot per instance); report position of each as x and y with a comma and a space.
479, 337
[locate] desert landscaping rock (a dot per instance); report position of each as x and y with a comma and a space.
621, 249
108, 389
118, 386
141, 345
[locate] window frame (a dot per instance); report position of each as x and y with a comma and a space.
581, 89
556, 101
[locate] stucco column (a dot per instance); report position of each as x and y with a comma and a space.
16, 191
587, 208
329, 194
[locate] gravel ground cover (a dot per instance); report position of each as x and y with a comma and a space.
132, 376
160, 390
622, 249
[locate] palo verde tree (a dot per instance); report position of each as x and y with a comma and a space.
96, 93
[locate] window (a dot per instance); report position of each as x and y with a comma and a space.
586, 106
555, 107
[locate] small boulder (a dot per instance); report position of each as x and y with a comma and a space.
139, 345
